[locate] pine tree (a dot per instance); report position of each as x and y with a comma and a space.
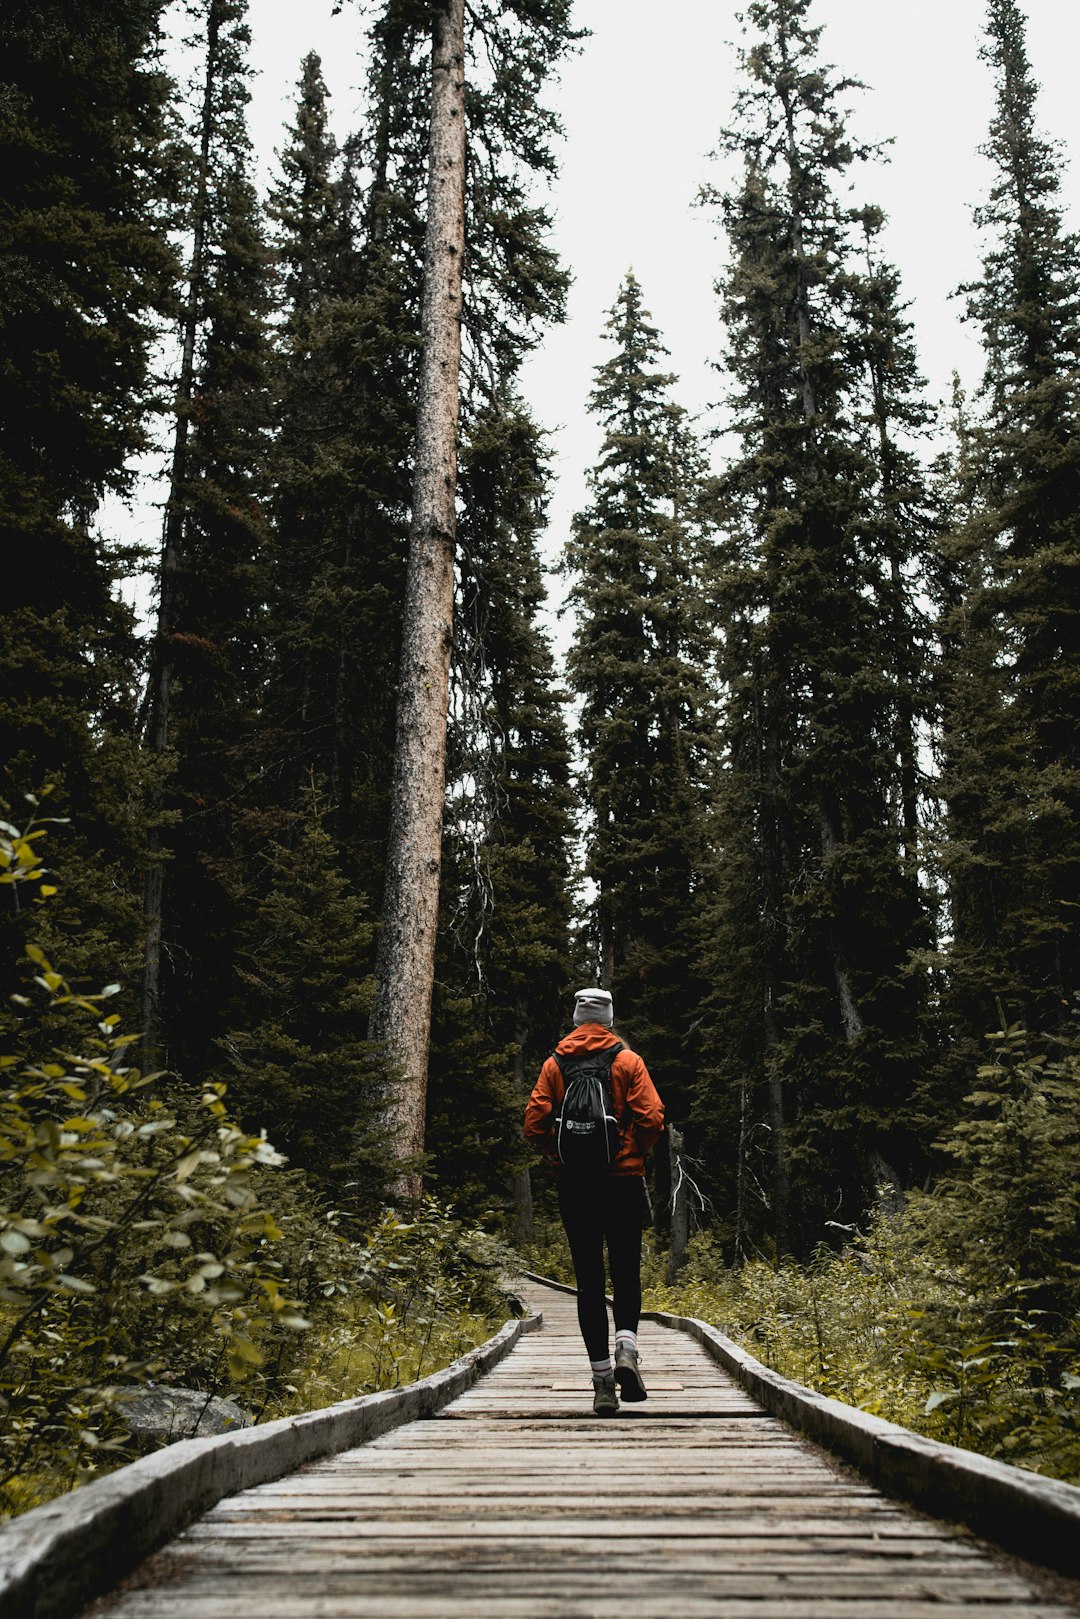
87, 269
87, 192
295, 1053
206, 671
640, 661
826, 526
1011, 770
345, 370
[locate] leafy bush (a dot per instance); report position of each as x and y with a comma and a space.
420, 1292
146, 1234
131, 1240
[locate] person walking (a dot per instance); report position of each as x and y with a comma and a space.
603, 1205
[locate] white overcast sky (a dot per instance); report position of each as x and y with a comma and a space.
642, 104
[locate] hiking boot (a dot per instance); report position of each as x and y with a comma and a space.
605, 1401
628, 1374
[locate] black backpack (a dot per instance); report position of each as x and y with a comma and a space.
586, 1129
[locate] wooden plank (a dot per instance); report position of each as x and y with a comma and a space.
361, 1604
604, 1531
319, 1496
849, 1584
851, 1579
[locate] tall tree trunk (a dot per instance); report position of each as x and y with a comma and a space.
159, 687
854, 1027
742, 1178
521, 1187
406, 966
772, 880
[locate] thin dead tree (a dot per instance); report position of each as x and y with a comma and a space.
402, 1014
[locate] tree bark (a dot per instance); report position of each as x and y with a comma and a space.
402, 1015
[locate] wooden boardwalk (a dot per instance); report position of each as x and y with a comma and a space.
516, 1501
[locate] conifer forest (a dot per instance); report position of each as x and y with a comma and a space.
314, 815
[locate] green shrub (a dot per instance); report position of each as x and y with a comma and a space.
131, 1240
420, 1292
896, 1324
548, 1253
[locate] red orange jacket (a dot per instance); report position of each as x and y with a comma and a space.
637, 1106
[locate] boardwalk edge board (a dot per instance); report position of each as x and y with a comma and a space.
57, 1558
1039, 1518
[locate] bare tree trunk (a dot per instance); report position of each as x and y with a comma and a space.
158, 698
780, 1187
521, 1190
342, 752
854, 1026
402, 1014
772, 884
680, 1205
521, 1187
742, 1177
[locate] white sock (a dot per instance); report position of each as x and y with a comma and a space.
625, 1339
599, 1367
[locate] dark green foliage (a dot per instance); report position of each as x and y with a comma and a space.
207, 673
512, 738
514, 284
140, 1240
958, 1315
339, 469
894, 1326
474, 1107
85, 197
1011, 772
825, 522
641, 663
218, 636
131, 1236
297, 1058
1007, 1209
86, 266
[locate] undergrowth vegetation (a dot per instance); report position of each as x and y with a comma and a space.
958, 1316
145, 1235
888, 1326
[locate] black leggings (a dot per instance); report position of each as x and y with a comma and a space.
611, 1209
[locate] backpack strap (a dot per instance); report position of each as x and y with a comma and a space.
610, 1052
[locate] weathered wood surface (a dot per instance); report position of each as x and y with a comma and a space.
515, 1500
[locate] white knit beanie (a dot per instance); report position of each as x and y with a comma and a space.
593, 1006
